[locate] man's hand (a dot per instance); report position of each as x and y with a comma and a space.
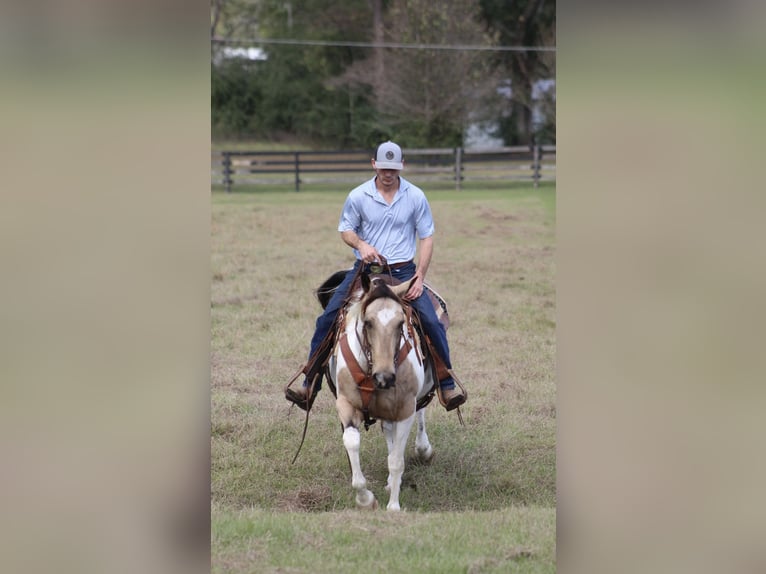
368, 253
415, 290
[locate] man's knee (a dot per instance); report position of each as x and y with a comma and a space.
428, 317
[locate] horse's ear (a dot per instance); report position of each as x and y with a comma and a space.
401, 289
365, 282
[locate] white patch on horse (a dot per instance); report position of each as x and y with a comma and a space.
386, 315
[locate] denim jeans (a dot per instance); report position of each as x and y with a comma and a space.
428, 319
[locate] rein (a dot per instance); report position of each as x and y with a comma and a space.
364, 380
313, 369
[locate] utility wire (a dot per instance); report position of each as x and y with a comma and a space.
461, 47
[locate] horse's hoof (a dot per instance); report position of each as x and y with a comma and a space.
370, 506
426, 456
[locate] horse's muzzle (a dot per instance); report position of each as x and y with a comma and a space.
385, 380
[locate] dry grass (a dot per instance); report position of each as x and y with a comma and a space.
493, 263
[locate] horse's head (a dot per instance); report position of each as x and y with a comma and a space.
383, 318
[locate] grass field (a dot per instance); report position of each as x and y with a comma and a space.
487, 501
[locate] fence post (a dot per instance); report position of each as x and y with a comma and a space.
536, 164
297, 172
227, 181
458, 167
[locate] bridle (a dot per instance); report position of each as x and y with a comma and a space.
365, 380
400, 351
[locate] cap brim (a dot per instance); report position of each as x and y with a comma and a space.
389, 165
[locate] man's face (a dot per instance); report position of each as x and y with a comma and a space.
387, 176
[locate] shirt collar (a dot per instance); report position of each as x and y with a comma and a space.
372, 190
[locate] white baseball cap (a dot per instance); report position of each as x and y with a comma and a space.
389, 156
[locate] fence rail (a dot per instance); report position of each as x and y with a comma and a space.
526, 163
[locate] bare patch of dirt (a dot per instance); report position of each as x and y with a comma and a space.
306, 499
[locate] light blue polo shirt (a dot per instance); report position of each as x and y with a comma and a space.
391, 229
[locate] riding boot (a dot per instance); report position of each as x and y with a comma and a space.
313, 371
300, 396
451, 396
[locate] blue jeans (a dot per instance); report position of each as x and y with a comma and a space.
428, 319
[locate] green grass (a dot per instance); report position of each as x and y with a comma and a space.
493, 480
508, 540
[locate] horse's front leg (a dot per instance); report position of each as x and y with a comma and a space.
396, 437
352, 441
364, 498
388, 432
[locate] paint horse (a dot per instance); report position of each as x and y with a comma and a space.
379, 372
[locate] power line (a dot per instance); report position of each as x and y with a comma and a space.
395, 45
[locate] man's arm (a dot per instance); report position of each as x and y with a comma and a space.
366, 251
425, 251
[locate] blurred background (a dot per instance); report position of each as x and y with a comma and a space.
428, 73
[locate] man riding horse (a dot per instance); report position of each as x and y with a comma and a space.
380, 221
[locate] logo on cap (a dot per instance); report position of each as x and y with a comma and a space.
389, 154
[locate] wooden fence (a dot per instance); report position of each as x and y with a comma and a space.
456, 165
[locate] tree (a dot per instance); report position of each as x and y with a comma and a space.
426, 96
355, 96
235, 95
233, 19
301, 96
523, 23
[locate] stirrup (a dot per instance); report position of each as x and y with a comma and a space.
453, 403
456, 401
303, 401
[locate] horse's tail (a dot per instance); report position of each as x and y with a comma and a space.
326, 290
